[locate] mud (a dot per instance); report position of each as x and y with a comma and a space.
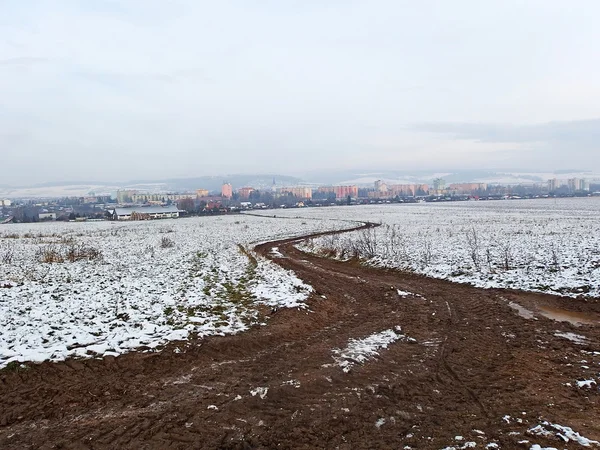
573, 317
477, 370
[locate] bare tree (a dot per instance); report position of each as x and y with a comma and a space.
427, 252
507, 255
187, 204
8, 253
473, 245
554, 256
366, 244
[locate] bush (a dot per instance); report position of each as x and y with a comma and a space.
50, 254
7, 253
73, 252
81, 252
165, 242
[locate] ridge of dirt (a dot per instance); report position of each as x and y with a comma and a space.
476, 369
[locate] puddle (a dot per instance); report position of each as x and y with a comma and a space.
560, 315
573, 317
523, 312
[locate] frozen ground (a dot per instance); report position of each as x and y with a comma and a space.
93, 289
546, 245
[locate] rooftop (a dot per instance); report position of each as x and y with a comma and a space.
145, 210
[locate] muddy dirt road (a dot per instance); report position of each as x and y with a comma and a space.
483, 366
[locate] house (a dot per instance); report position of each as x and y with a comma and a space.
144, 213
47, 216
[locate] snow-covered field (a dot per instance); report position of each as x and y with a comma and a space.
546, 245
93, 289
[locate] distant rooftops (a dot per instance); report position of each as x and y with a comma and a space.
124, 211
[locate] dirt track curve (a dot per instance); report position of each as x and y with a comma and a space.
477, 370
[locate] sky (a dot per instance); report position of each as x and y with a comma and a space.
149, 89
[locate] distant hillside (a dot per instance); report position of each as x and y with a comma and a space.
212, 183
367, 178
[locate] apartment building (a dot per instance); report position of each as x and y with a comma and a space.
553, 184
160, 198
226, 190
439, 186
467, 188
407, 190
245, 192
381, 186
299, 192
126, 195
578, 184
340, 191
572, 184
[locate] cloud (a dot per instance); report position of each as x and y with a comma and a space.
587, 131
23, 61
188, 87
550, 144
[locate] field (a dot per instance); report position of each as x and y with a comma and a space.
245, 332
97, 289
542, 245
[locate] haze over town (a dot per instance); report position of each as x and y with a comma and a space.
139, 90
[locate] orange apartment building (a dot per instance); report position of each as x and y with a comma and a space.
300, 192
408, 190
245, 192
340, 191
399, 190
226, 190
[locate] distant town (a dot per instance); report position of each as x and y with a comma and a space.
129, 204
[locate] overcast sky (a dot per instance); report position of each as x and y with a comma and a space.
122, 89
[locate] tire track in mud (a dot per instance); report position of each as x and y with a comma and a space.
447, 348
453, 319
461, 374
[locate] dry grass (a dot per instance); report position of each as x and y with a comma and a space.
67, 253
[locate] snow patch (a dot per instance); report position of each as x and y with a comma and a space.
576, 338
358, 351
276, 253
404, 293
260, 391
586, 383
567, 434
